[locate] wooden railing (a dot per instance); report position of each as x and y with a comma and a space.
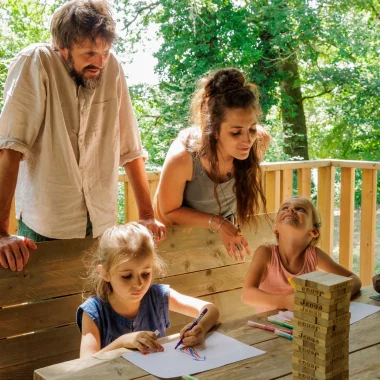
280, 184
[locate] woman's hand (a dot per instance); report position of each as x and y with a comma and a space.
235, 244
142, 340
193, 337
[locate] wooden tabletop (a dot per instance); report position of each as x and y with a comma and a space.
276, 363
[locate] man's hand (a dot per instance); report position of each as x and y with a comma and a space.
157, 228
14, 252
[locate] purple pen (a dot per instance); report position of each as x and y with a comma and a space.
201, 315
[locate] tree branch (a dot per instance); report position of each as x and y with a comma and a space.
139, 11
317, 95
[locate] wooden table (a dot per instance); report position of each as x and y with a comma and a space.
276, 363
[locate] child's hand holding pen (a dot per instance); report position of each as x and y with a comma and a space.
193, 333
192, 337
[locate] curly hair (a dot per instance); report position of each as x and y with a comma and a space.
119, 244
78, 20
218, 92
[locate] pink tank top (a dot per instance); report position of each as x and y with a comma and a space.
276, 280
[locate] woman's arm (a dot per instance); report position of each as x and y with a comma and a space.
327, 264
251, 294
177, 170
192, 307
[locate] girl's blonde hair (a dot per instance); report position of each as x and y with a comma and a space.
119, 244
315, 215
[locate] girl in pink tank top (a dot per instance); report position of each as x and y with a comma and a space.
297, 229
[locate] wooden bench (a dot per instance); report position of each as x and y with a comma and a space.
38, 305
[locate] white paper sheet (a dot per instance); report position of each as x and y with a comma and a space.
361, 310
358, 311
218, 350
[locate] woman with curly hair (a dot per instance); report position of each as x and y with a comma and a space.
211, 176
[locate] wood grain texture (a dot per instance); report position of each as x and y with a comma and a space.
55, 269
346, 232
31, 347
38, 315
367, 226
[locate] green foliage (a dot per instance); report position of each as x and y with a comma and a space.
23, 23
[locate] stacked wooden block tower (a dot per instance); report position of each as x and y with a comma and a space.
321, 326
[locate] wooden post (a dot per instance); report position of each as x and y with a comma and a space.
304, 182
326, 206
367, 228
272, 190
286, 184
346, 233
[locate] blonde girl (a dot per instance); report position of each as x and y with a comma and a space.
297, 229
125, 307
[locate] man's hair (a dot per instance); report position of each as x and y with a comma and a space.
78, 20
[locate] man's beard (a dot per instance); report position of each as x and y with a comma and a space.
90, 83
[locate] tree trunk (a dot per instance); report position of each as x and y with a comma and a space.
293, 115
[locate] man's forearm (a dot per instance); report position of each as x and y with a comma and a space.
137, 177
9, 166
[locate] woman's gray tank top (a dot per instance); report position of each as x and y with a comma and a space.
199, 193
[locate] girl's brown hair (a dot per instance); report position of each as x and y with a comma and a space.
218, 92
119, 244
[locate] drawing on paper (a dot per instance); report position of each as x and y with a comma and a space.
193, 353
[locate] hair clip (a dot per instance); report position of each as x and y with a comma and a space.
317, 224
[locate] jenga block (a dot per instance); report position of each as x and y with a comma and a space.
343, 319
315, 312
320, 293
328, 354
322, 340
333, 282
337, 360
315, 305
338, 347
303, 376
302, 325
302, 280
337, 300
319, 371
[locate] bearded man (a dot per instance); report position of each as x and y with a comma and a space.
66, 126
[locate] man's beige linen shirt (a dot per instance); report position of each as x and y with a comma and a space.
72, 140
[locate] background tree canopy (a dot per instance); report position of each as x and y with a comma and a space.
315, 62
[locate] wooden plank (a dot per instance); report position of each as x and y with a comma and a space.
367, 226
202, 283
131, 205
356, 164
286, 184
30, 347
223, 301
304, 182
54, 269
272, 190
12, 219
188, 249
346, 233
26, 370
287, 165
326, 207
35, 316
